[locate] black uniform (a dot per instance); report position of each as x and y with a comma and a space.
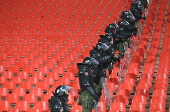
137, 10
58, 102
88, 95
128, 16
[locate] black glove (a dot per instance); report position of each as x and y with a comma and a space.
96, 97
144, 18
99, 93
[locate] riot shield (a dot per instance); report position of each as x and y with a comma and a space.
106, 92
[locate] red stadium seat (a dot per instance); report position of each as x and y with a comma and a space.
139, 99
142, 92
157, 107
37, 91
9, 84
143, 86
19, 91
129, 80
33, 80
39, 75
23, 75
101, 107
16, 79
30, 98
5, 106
74, 92
2, 79
23, 106
12, 98
8, 74
26, 84
35, 110
124, 92
4, 91
159, 92
137, 107
42, 105
14, 110
161, 86
44, 85
46, 97
117, 106
122, 99
158, 99
126, 86
2, 69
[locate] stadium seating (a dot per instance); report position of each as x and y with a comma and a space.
42, 41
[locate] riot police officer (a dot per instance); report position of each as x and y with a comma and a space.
144, 3
58, 102
137, 10
128, 16
126, 29
88, 94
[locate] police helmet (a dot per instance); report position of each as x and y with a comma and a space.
126, 12
136, 2
90, 61
61, 90
123, 23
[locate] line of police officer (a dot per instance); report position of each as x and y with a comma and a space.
104, 54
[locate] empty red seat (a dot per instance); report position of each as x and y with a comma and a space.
44, 85
12, 98
30, 98
19, 91
126, 86
23, 106
14, 110
159, 92
161, 86
23, 75
26, 84
139, 99
117, 106
143, 86
39, 75
14, 69
101, 107
158, 107
124, 92
9, 84
4, 92
35, 110
33, 80
2, 79
65, 80
42, 105
140, 107
16, 79
122, 99
5, 106
158, 99
8, 74
37, 91
142, 92
129, 80
2, 69
149, 82
73, 92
